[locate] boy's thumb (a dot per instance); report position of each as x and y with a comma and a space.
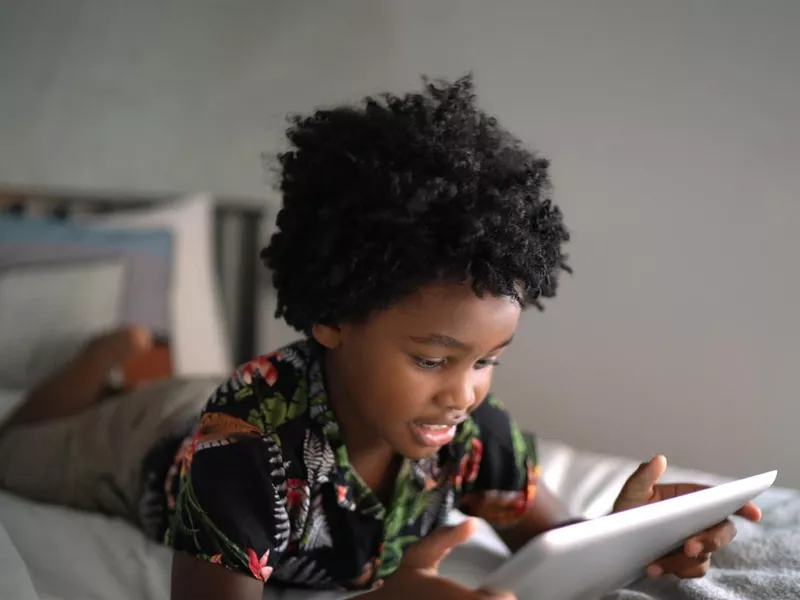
428, 552
639, 487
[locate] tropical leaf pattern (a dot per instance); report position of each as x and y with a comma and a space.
263, 484
317, 534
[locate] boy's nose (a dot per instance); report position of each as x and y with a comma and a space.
457, 398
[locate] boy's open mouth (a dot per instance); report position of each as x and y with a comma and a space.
433, 435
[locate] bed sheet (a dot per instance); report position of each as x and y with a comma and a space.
15, 583
72, 555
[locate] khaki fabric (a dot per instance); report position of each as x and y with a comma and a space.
93, 460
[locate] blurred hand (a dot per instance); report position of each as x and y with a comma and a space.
695, 558
418, 578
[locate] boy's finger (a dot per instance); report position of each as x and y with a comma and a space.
711, 540
750, 511
430, 550
639, 486
679, 564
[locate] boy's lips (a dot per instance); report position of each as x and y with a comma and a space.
452, 420
433, 435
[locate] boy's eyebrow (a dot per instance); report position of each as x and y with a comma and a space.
439, 339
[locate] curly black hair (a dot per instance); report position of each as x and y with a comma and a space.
403, 191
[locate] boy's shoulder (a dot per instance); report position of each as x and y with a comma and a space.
270, 390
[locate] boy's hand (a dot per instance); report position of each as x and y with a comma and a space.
418, 577
642, 488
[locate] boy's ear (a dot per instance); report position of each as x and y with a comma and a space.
329, 336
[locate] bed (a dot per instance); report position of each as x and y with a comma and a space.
69, 555
55, 553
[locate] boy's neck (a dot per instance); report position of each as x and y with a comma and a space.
370, 456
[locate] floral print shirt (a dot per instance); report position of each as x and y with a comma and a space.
263, 485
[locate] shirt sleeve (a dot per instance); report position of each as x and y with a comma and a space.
230, 506
500, 467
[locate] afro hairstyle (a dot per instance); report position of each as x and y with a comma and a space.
398, 192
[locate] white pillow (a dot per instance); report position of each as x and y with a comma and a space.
199, 338
50, 310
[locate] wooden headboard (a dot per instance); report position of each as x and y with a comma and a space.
240, 230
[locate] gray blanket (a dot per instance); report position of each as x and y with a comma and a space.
762, 562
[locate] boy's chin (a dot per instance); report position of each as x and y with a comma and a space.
417, 452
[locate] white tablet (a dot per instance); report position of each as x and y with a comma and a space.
593, 558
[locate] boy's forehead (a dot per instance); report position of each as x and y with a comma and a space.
455, 310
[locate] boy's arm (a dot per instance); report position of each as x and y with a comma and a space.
193, 578
546, 512
229, 526
507, 490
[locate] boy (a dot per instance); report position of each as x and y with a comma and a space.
414, 231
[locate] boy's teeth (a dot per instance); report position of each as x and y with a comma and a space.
434, 435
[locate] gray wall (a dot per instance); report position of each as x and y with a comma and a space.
170, 95
674, 131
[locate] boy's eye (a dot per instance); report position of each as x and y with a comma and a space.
428, 363
486, 362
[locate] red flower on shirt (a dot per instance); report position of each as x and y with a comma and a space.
262, 364
473, 463
296, 494
258, 566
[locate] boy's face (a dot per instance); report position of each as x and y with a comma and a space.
403, 379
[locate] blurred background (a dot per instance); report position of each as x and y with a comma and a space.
674, 132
